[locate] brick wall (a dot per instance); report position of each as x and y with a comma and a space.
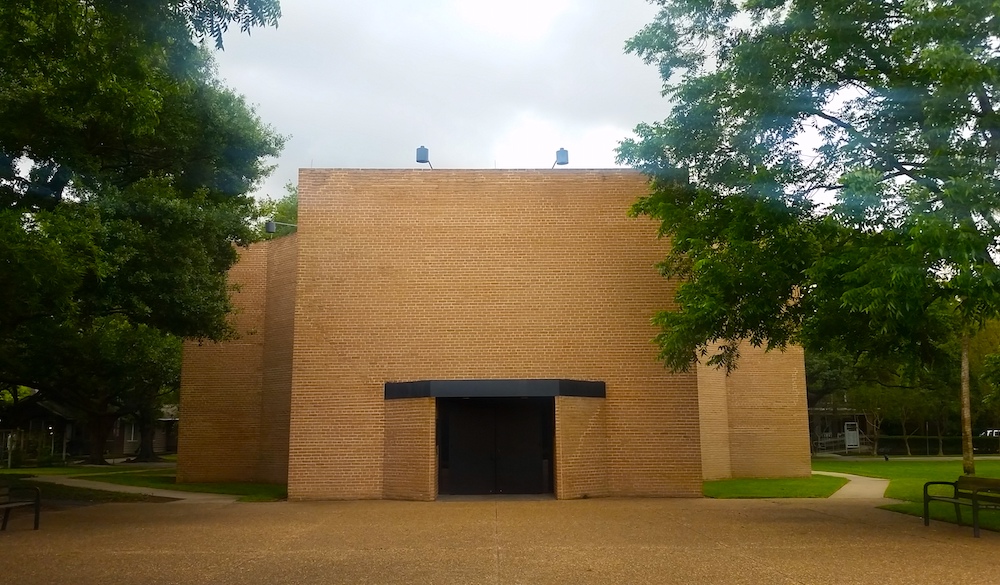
221, 383
713, 405
279, 326
235, 396
414, 275
419, 274
754, 421
768, 420
581, 448
410, 453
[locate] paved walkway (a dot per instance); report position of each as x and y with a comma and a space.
179, 496
841, 540
858, 487
578, 542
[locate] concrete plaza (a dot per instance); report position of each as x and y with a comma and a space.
835, 541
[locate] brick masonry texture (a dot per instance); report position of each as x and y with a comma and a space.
221, 387
581, 446
410, 455
279, 335
713, 406
404, 275
768, 420
754, 422
415, 275
236, 394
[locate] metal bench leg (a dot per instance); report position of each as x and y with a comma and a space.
6, 516
958, 513
927, 512
975, 519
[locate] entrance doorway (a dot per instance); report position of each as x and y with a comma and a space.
495, 445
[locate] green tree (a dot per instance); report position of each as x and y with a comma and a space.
109, 92
124, 171
888, 110
106, 370
284, 211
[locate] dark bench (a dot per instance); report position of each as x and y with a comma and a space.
981, 493
7, 503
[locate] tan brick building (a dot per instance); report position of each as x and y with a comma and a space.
464, 331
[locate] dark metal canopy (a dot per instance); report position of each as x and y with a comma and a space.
493, 389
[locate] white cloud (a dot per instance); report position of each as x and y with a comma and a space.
510, 21
531, 141
362, 84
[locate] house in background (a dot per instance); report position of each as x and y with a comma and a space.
434, 332
125, 436
35, 429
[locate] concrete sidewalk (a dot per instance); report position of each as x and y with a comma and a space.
179, 496
578, 542
858, 487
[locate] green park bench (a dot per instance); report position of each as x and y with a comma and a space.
7, 503
981, 493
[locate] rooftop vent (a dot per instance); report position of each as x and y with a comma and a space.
562, 157
423, 156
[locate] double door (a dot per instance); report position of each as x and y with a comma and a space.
495, 445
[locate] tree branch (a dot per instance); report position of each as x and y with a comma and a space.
890, 161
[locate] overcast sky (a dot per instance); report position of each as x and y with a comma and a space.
482, 84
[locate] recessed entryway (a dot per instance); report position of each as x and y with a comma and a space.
495, 445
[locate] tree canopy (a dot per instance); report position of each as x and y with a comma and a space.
843, 164
104, 94
125, 172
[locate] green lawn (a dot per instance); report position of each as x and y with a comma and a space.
165, 478
907, 478
75, 470
58, 496
135, 475
817, 486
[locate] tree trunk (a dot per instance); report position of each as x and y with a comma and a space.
906, 438
146, 420
968, 462
98, 429
940, 437
875, 426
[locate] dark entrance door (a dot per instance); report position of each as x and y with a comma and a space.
495, 445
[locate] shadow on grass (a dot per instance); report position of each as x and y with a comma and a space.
166, 479
56, 497
906, 482
944, 512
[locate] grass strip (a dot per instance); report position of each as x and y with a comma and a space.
817, 486
76, 470
167, 479
56, 496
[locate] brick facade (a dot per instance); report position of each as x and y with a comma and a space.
236, 394
754, 422
581, 453
410, 456
407, 275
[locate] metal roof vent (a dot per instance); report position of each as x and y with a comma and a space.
423, 156
562, 157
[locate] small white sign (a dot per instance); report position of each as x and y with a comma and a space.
852, 438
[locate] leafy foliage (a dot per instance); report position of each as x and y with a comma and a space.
899, 98
843, 157
124, 171
107, 93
